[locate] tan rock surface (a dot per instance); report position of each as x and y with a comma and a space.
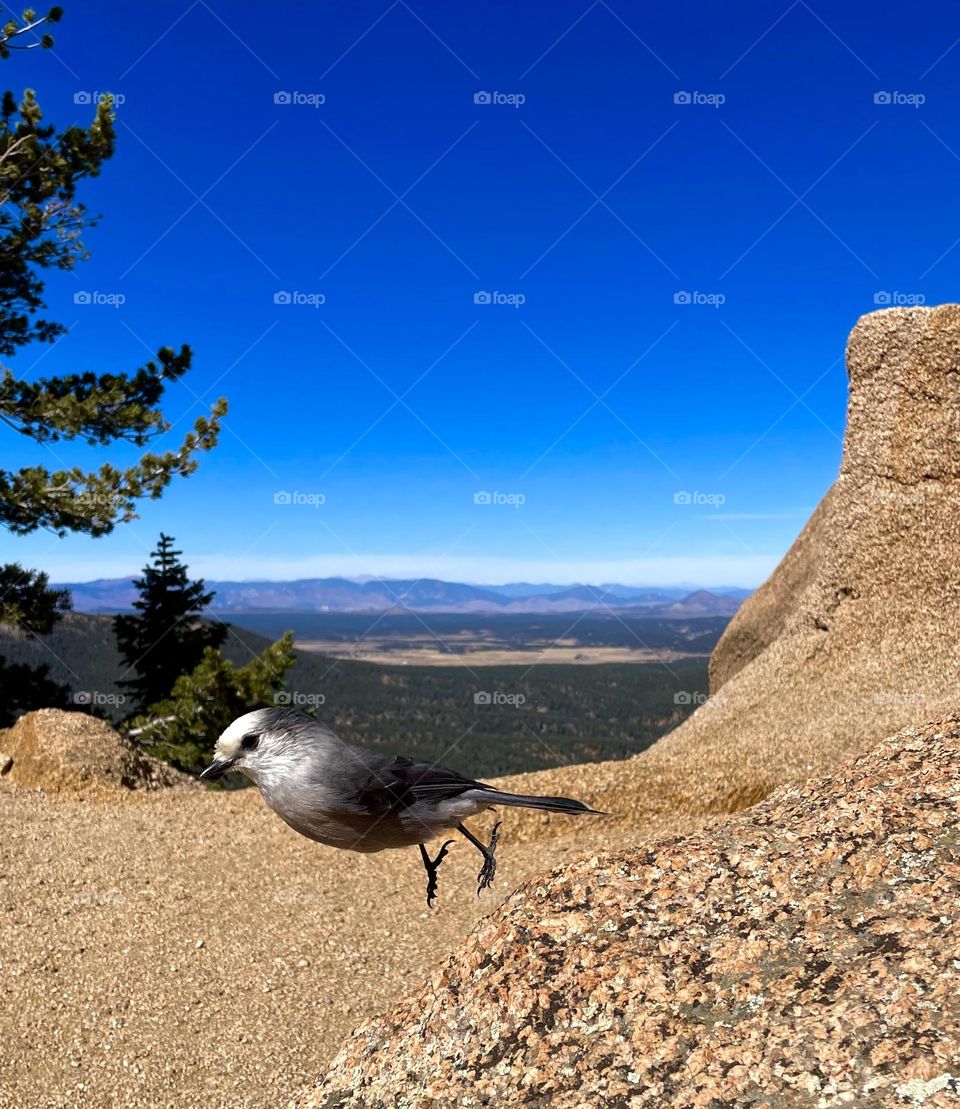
805, 953
59, 751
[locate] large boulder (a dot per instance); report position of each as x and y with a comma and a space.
61, 751
805, 953
854, 635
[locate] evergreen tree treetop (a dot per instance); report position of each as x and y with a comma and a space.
167, 637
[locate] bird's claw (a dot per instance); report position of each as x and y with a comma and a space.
432, 866
489, 869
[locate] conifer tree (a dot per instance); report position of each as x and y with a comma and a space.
167, 638
183, 727
41, 222
27, 603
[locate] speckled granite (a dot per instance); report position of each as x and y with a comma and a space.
804, 953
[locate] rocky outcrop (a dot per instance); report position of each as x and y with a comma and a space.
882, 548
59, 751
806, 953
855, 633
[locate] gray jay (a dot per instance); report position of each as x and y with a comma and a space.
361, 800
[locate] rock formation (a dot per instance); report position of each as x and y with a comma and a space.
854, 634
805, 953
61, 751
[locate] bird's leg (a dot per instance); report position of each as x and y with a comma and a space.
489, 868
432, 866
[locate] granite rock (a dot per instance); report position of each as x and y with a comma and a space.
804, 953
73, 752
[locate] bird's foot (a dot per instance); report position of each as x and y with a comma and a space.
489, 869
431, 866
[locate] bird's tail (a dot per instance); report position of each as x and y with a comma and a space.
547, 804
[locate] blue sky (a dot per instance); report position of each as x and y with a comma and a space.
655, 386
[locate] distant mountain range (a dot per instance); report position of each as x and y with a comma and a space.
423, 595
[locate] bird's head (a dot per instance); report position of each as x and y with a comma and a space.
257, 743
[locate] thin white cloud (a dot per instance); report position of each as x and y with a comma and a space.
799, 514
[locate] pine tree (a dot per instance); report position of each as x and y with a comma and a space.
167, 638
27, 602
41, 223
183, 727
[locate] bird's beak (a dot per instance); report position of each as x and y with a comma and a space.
217, 769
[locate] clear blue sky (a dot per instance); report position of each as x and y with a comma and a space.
796, 201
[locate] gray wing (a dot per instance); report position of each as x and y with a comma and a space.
400, 783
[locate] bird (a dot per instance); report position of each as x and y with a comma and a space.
357, 799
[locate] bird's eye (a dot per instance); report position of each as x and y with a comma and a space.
249, 742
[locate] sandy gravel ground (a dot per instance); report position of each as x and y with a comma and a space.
188, 949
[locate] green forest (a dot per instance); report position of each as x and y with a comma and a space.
534, 718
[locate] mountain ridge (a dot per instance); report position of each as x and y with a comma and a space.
383, 595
